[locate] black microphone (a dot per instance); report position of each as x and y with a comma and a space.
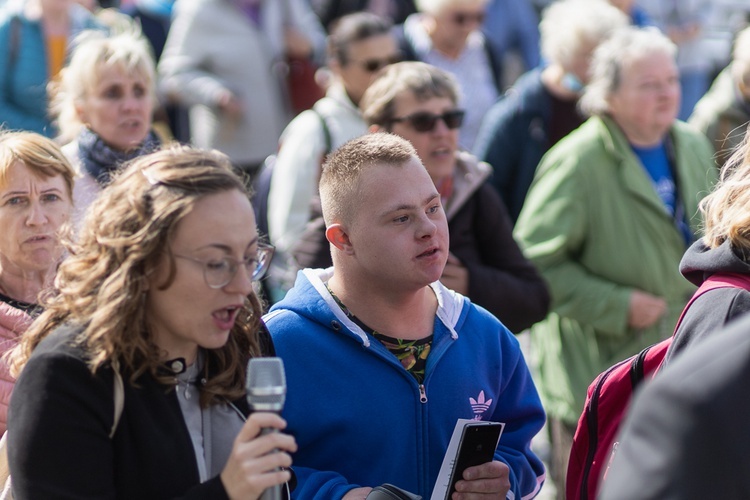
266, 391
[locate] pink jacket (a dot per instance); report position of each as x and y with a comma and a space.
13, 322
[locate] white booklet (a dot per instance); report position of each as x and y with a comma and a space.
442, 483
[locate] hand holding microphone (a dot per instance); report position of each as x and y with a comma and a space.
254, 469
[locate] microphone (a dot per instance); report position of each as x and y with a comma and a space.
266, 391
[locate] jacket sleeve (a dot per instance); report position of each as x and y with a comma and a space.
182, 68
295, 179
553, 230
522, 412
504, 281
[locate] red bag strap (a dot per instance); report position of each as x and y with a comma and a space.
717, 280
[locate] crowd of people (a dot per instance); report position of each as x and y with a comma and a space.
385, 195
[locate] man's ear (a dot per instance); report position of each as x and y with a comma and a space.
375, 128
336, 235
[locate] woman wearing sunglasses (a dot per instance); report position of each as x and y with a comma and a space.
158, 289
419, 102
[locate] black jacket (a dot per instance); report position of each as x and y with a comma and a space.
685, 437
715, 308
59, 422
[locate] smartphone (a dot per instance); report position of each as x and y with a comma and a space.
477, 446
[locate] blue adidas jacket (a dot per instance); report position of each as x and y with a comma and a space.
360, 419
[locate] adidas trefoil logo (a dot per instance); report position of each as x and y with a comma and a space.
480, 405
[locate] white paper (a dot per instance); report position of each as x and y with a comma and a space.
444, 476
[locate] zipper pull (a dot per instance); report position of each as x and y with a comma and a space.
422, 394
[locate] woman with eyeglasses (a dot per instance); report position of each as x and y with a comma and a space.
448, 34
419, 103
157, 291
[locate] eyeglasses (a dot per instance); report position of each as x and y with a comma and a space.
374, 65
462, 18
219, 272
422, 121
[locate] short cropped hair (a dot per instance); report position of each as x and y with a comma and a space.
435, 7
94, 53
353, 28
421, 79
41, 155
726, 210
741, 58
626, 46
339, 182
567, 25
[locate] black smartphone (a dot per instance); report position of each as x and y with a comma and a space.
477, 446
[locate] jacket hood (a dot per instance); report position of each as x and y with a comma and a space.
311, 299
469, 175
700, 261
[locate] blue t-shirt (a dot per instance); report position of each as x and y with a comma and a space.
656, 162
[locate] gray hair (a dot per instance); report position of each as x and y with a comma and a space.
567, 25
94, 52
741, 57
435, 7
622, 49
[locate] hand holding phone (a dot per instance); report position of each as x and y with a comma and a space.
477, 446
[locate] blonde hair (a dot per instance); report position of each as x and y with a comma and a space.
38, 153
421, 79
726, 210
342, 170
95, 53
102, 285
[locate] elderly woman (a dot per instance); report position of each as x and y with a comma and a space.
35, 36
724, 111
611, 211
419, 102
104, 105
541, 109
158, 293
36, 187
447, 34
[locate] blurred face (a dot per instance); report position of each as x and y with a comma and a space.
365, 59
646, 104
32, 211
399, 233
437, 147
454, 24
581, 60
118, 108
189, 313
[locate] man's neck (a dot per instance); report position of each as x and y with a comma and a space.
407, 315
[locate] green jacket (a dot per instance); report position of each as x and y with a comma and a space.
597, 230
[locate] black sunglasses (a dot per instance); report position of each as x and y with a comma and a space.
373, 65
462, 18
423, 121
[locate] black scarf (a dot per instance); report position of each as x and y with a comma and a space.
101, 161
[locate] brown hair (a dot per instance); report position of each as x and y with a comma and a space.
102, 285
38, 153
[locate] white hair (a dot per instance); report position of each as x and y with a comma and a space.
567, 25
611, 57
741, 57
435, 7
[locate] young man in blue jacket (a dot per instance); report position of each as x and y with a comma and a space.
381, 358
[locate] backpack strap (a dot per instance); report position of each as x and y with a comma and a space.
15, 41
717, 280
326, 130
